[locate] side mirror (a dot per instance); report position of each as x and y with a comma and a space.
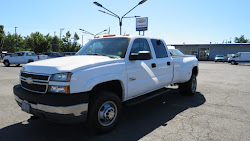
141, 55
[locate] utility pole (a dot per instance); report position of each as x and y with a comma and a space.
82, 39
61, 29
16, 38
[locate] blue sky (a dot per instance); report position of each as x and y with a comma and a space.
176, 21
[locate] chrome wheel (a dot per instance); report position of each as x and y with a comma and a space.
194, 85
107, 113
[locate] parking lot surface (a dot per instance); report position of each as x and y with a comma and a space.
218, 111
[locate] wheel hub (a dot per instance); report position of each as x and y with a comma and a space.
109, 113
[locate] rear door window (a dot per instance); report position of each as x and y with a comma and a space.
159, 48
30, 54
20, 54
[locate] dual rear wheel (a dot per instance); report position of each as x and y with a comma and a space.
188, 88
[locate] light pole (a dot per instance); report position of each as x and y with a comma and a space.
82, 39
86, 32
115, 15
16, 38
61, 30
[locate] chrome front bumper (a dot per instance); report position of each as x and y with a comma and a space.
79, 110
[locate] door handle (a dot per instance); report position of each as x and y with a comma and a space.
168, 63
153, 65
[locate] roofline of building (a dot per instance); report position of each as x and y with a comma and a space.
228, 44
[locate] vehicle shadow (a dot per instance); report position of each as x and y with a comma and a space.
136, 122
12, 66
244, 64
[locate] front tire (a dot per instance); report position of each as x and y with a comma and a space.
104, 112
30, 61
6, 63
233, 63
188, 88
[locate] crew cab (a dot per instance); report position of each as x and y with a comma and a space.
22, 57
106, 74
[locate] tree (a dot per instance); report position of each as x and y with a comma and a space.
9, 42
66, 42
21, 43
67, 45
39, 43
55, 44
2, 36
76, 37
241, 39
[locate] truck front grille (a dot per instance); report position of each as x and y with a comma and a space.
34, 87
35, 82
35, 76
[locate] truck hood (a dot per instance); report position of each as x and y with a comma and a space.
67, 64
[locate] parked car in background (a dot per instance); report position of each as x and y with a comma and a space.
68, 53
240, 57
5, 54
219, 58
52, 54
175, 52
22, 57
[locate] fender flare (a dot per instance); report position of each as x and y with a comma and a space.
30, 60
106, 78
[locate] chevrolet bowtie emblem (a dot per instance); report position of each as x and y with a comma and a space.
29, 80
141, 21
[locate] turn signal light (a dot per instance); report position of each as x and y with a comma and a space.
109, 35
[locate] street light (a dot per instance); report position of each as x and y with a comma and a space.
86, 32
61, 29
115, 15
16, 38
100, 32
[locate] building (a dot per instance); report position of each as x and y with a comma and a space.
209, 51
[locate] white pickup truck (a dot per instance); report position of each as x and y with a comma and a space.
104, 75
22, 57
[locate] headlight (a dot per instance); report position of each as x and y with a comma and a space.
59, 89
64, 77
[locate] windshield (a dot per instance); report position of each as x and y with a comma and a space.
111, 47
175, 52
30, 54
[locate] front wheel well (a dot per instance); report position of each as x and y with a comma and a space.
195, 71
114, 86
30, 60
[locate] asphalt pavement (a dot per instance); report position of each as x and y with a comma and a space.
218, 111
